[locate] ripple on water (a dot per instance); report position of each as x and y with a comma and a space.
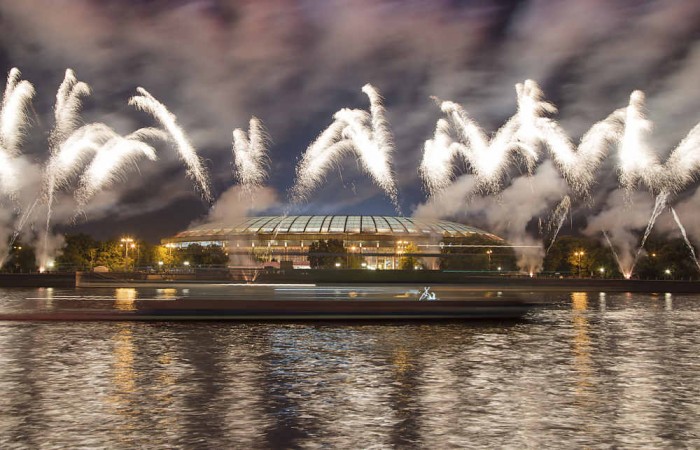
578, 372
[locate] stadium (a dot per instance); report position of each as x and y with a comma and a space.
378, 241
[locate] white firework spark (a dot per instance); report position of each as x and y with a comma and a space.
488, 158
250, 155
693, 254
70, 148
365, 134
67, 108
683, 164
113, 159
13, 123
637, 162
556, 220
578, 165
195, 169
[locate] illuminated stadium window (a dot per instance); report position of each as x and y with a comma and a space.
314, 225
271, 225
326, 224
395, 225
338, 224
382, 225
368, 225
353, 224
299, 224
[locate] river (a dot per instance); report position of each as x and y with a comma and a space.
582, 370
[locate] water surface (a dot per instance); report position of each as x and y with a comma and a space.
585, 369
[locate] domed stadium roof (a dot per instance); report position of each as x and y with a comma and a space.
301, 226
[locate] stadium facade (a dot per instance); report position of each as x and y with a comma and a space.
380, 241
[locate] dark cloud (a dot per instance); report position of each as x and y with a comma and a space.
294, 63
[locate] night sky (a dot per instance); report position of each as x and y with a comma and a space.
294, 63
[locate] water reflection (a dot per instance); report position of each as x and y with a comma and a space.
622, 375
125, 299
582, 341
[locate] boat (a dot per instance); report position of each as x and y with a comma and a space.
280, 303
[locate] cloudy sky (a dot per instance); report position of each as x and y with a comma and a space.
294, 63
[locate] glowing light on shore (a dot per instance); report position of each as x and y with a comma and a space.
195, 169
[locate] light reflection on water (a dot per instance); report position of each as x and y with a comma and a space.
586, 370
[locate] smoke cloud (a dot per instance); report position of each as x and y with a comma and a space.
215, 63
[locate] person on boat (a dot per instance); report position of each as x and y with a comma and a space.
427, 295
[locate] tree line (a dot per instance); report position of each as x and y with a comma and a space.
570, 256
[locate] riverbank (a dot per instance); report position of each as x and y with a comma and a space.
423, 277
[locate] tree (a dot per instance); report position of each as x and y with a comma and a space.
410, 262
324, 254
111, 254
79, 252
198, 255
573, 255
161, 253
455, 256
666, 258
20, 259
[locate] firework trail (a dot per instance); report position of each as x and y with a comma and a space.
638, 163
577, 164
113, 158
685, 238
67, 108
70, 146
556, 220
488, 158
625, 273
519, 137
250, 155
195, 169
353, 131
13, 123
683, 164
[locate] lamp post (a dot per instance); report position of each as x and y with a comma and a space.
579, 254
138, 254
488, 253
127, 242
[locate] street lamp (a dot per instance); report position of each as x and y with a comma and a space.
488, 253
602, 272
579, 254
127, 242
